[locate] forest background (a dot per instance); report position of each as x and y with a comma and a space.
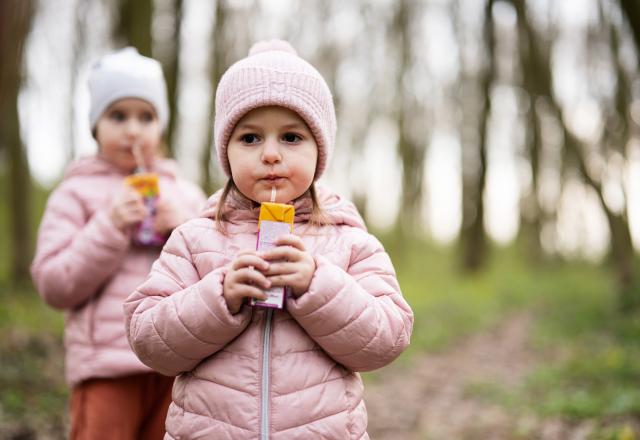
493, 146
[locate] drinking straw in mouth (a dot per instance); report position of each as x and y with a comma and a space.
137, 154
273, 194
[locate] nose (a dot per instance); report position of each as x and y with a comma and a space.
133, 127
271, 152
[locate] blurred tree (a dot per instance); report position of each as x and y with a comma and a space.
171, 66
621, 245
78, 47
475, 104
359, 115
15, 22
408, 117
219, 61
631, 10
615, 138
133, 25
534, 81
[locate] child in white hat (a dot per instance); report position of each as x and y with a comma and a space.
87, 261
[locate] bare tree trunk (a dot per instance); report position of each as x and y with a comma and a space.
531, 213
411, 153
171, 71
621, 245
133, 25
15, 22
473, 237
218, 57
78, 48
631, 10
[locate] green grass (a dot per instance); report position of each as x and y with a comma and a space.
594, 349
600, 369
34, 396
38, 200
448, 304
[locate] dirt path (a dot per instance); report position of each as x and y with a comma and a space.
430, 400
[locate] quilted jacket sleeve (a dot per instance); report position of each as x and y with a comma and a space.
175, 319
74, 256
358, 316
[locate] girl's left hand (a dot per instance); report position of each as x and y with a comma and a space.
290, 264
169, 216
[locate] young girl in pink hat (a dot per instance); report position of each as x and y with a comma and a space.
87, 260
248, 372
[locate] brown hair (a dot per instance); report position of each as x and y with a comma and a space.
316, 219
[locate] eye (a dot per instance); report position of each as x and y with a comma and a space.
117, 115
250, 138
147, 117
291, 138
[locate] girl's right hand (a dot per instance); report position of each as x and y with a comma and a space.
127, 208
245, 279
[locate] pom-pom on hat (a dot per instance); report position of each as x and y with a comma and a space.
274, 74
127, 74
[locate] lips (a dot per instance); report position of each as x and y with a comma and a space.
273, 179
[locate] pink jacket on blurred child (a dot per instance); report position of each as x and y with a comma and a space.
87, 267
284, 374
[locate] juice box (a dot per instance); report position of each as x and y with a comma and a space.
275, 219
146, 184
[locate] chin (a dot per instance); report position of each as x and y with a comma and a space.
127, 168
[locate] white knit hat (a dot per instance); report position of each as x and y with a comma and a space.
274, 74
127, 74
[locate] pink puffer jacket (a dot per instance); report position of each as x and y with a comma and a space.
87, 267
283, 374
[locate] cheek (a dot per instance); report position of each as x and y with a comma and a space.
153, 143
241, 165
306, 166
241, 174
152, 148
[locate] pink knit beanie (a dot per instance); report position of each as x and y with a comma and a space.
273, 74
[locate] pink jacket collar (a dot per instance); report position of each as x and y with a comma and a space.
97, 165
339, 210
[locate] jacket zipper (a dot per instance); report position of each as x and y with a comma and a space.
264, 404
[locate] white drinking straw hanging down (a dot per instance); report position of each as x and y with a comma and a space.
137, 154
273, 194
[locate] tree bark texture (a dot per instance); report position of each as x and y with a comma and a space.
15, 22
219, 60
473, 238
412, 154
133, 25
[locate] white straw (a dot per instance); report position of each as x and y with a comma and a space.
137, 154
273, 194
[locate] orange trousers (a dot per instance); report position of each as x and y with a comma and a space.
127, 408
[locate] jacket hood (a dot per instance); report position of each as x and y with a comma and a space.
97, 165
338, 210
